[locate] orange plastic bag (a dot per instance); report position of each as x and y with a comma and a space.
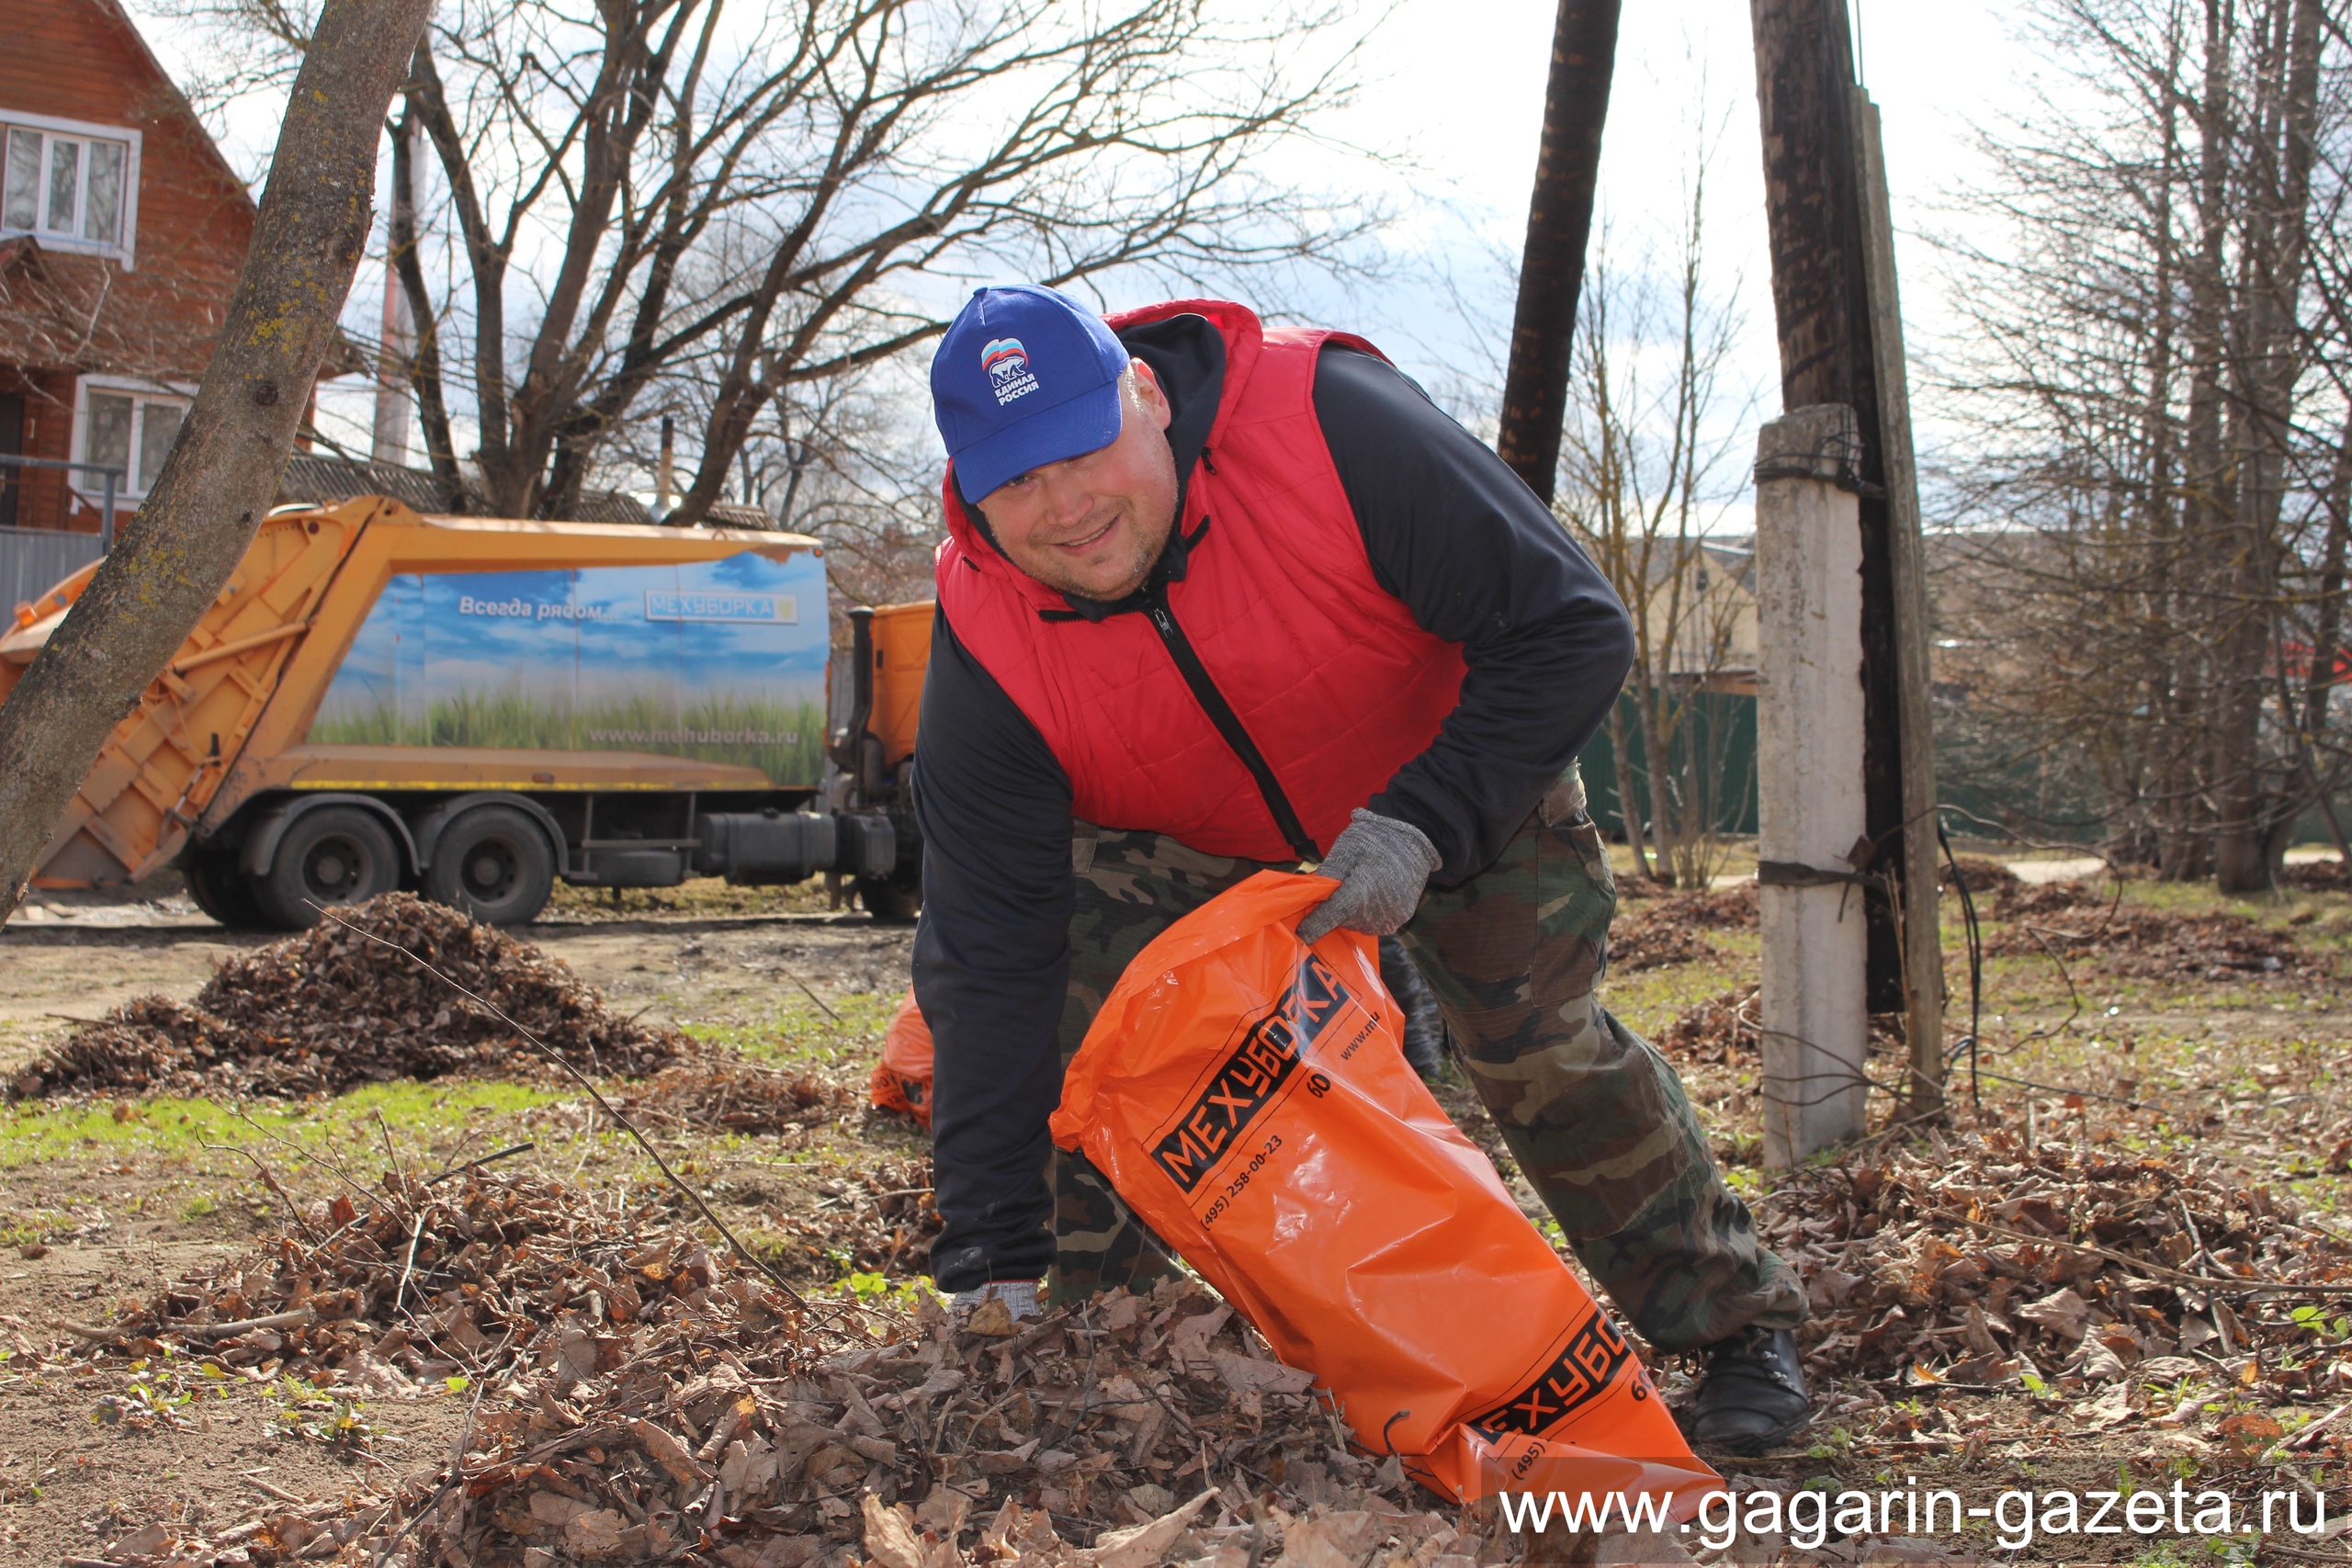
1248, 1096
901, 1079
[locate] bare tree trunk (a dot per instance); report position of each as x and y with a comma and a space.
1629, 810
2327, 626
2245, 857
1559, 221
223, 473
2327, 635
424, 367
2155, 783
1657, 747
2187, 854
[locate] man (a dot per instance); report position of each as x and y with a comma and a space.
1216, 597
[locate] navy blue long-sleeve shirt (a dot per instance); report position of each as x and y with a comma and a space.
1451, 532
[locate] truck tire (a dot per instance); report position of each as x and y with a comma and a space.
337, 855
223, 891
493, 863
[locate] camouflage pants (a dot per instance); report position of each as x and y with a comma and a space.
1594, 1116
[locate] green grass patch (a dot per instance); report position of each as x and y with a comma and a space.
23, 1228
801, 1031
1646, 1002
793, 752
168, 1127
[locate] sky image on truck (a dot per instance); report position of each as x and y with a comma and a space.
716, 660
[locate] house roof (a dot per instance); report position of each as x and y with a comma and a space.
199, 142
157, 318
1733, 557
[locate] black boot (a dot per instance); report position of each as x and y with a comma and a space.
1751, 1397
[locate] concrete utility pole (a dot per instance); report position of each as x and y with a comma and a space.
1842, 343
1809, 777
1559, 221
398, 333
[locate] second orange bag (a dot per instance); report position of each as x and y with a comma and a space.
901, 1080
1248, 1096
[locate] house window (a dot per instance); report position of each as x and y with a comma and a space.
127, 427
73, 187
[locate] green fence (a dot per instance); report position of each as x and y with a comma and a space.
1717, 729
1985, 788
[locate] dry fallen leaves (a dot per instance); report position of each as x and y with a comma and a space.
327, 1009
1985, 1262
1655, 932
649, 1400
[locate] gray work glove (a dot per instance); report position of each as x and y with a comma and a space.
1382, 866
1019, 1296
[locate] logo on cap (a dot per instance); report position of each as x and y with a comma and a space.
1007, 363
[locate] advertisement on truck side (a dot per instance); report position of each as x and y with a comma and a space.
722, 661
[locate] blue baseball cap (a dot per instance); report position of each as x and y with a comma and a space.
1024, 377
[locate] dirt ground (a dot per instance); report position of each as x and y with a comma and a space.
92, 1220
2086, 1047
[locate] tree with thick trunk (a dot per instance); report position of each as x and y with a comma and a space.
222, 473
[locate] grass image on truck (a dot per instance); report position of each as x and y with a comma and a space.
474, 707
709, 659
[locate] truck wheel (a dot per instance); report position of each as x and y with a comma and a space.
337, 855
493, 863
893, 902
223, 891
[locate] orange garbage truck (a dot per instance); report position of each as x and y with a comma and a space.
474, 707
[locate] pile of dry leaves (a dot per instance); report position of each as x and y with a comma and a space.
1715, 1029
1656, 932
462, 1274
1980, 875
1074, 1440
642, 1398
2047, 900
2319, 876
327, 1009
1973, 1259
2153, 945
733, 1095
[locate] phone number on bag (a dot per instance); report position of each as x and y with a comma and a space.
1241, 1179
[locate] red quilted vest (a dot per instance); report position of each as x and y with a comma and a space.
1331, 679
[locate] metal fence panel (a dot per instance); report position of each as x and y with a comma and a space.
34, 560
1714, 749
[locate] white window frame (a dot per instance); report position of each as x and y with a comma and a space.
126, 250
91, 488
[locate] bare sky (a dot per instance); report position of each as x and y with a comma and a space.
1461, 81
1458, 85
